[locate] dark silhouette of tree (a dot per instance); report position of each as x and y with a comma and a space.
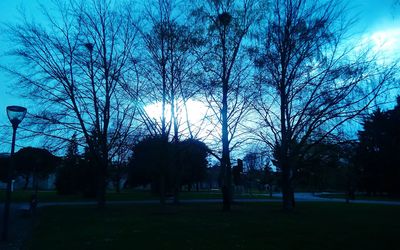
254, 170
270, 178
118, 171
158, 42
168, 64
228, 25
322, 168
119, 167
75, 68
169, 68
35, 163
310, 82
192, 163
67, 174
168, 165
377, 154
352, 171
237, 173
75, 174
152, 157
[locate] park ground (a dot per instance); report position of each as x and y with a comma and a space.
250, 225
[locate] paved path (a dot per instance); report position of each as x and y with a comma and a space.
310, 197
20, 227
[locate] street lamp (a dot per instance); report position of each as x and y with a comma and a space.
15, 114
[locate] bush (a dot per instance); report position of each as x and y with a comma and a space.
66, 177
76, 179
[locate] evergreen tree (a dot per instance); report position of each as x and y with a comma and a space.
378, 152
67, 174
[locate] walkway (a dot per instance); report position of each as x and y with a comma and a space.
20, 227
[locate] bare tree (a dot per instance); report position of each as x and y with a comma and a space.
169, 70
74, 68
224, 61
169, 63
312, 81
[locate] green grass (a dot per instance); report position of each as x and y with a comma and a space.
126, 195
204, 226
43, 196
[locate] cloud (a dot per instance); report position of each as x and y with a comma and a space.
386, 41
383, 45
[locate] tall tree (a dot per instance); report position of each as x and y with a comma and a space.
311, 81
168, 64
169, 67
229, 23
74, 67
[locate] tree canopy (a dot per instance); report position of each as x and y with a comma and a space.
35, 162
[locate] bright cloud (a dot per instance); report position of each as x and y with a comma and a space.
386, 41
384, 44
196, 111
198, 115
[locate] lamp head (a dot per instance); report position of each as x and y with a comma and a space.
16, 114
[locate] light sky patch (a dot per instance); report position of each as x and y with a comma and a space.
384, 44
196, 113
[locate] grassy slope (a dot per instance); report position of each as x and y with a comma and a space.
204, 226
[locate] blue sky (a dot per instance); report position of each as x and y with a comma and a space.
379, 21
8, 14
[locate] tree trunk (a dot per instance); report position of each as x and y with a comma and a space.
26, 182
179, 170
227, 188
225, 161
162, 190
270, 190
177, 187
117, 185
288, 199
101, 184
176, 195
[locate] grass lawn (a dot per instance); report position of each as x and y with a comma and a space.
126, 195
44, 196
203, 226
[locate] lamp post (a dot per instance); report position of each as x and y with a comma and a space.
15, 114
